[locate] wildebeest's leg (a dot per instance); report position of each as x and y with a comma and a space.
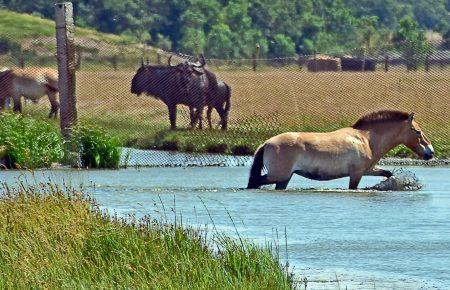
172, 115
208, 116
54, 104
200, 117
17, 104
223, 114
192, 116
377, 171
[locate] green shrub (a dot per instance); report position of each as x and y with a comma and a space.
96, 149
29, 143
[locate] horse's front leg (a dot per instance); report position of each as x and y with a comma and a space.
355, 178
377, 171
54, 105
5, 102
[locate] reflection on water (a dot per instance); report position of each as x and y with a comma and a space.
365, 238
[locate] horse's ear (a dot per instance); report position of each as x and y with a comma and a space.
411, 117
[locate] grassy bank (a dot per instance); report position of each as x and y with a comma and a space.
27, 142
21, 26
55, 238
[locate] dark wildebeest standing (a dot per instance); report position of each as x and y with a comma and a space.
173, 85
357, 64
221, 102
218, 94
32, 83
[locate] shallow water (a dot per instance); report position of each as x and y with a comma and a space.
365, 239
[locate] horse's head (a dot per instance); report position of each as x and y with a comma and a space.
414, 138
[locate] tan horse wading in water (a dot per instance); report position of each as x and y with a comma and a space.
351, 151
32, 83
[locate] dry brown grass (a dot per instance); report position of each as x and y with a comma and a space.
276, 100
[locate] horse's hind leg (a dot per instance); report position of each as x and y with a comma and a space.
257, 182
281, 185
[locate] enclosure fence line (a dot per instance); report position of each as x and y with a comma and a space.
314, 92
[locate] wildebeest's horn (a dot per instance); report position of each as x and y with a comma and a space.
169, 61
202, 61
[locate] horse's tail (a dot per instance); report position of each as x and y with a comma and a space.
256, 169
52, 88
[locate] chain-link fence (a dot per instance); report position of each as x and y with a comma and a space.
318, 92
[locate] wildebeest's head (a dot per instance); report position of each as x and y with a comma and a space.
140, 80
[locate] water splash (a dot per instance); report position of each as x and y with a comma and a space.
401, 180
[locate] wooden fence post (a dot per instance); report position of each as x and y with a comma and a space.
315, 61
386, 63
65, 54
158, 57
255, 57
21, 56
427, 63
363, 64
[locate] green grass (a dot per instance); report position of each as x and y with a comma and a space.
95, 147
20, 26
29, 143
56, 238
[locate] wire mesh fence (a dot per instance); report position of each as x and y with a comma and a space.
317, 92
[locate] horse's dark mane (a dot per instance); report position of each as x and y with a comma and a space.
380, 116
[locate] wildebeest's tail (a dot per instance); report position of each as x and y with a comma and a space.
256, 169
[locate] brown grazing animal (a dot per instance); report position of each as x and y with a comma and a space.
32, 83
352, 151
